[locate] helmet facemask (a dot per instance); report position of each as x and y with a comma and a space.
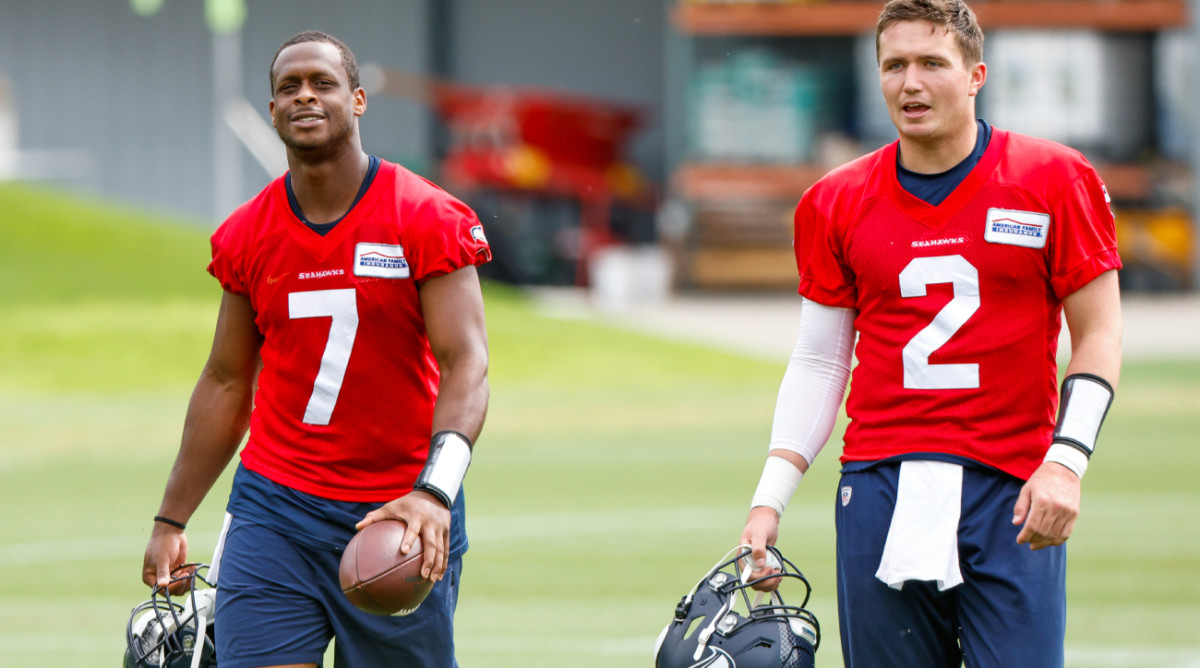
724, 622
166, 632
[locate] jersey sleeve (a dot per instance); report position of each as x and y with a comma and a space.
1083, 238
226, 265
824, 276
444, 235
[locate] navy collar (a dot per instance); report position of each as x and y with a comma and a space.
935, 188
324, 228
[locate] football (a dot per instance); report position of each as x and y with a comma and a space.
376, 577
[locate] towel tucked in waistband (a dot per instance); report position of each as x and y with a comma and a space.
922, 540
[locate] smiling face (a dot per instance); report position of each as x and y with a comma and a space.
313, 107
929, 89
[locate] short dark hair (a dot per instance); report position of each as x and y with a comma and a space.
952, 15
349, 63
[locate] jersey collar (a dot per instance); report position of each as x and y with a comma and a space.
936, 216
320, 246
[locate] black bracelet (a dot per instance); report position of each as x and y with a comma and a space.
170, 522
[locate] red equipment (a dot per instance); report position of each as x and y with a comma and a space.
537, 141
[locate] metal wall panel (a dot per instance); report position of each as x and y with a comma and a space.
123, 105
109, 101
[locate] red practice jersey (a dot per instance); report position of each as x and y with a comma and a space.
959, 305
344, 404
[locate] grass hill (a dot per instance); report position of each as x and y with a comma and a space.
101, 297
64, 249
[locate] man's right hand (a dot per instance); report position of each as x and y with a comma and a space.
762, 529
166, 551
426, 518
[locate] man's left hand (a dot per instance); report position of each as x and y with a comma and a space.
1047, 506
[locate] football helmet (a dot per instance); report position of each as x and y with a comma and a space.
174, 633
708, 632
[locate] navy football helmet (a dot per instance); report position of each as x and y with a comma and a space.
707, 632
174, 633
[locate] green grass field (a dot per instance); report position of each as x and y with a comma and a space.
613, 470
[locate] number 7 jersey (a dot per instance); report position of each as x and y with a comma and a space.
344, 404
959, 305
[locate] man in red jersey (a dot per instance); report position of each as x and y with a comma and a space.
351, 343
952, 255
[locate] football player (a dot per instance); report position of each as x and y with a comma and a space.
350, 342
951, 254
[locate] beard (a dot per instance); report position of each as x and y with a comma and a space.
317, 149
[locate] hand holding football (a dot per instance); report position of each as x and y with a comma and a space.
376, 577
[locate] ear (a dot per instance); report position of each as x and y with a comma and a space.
978, 76
360, 101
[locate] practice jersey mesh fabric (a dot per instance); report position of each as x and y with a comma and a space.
344, 404
959, 305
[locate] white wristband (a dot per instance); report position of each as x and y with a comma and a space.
1069, 456
449, 457
779, 480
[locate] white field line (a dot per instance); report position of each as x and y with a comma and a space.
493, 528
1094, 657
64, 643
84, 550
482, 529
1133, 657
600, 522
518, 527
574, 646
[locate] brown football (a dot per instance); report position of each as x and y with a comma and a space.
376, 577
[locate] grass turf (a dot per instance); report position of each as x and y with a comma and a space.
613, 470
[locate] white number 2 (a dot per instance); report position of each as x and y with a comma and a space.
924, 271
341, 306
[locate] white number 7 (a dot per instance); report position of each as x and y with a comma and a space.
341, 305
924, 271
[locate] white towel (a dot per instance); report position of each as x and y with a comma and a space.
215, 567
922, 541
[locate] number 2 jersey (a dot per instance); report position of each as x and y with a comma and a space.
959, 305
344, 404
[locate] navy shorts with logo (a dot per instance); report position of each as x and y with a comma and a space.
280, 603
279, 600
1009, 611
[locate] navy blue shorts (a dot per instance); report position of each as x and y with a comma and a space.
1009, 611
279, 602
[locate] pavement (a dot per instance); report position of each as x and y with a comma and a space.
764, 325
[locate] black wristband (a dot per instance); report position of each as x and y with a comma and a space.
170, 522
434, 492
1074, 444
443, 474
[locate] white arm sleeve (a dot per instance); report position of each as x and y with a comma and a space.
815, 381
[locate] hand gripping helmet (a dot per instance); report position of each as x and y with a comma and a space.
708, 633
174, 633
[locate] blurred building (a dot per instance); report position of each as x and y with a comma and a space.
131, 98
742, 104
771, 95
